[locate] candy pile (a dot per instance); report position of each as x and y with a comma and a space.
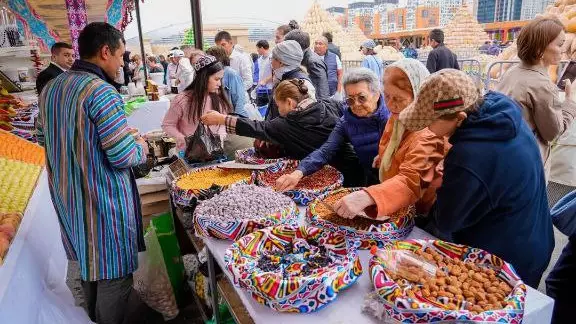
17, 182
204, 179
319, 180
14, 147
297, 258
243, 202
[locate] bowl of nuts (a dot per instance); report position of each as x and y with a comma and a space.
309, 187
294, 269
434, 281
250, 156
204, 183
241, 210
370, 232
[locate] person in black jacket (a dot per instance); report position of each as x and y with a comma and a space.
440, 57
315, 65
62, 60
303, 126
331, 47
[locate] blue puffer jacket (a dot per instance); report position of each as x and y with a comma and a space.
363, 133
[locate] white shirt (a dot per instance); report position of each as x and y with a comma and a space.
338, 62
61, 68
184, 73
241, 63
265, 69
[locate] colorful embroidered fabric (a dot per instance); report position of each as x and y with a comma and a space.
77, 20
404, 309
119, 13
248, 156
293, 293
375, 235
234, 229
32, 22
302, 197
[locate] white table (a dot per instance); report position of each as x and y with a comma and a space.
347, 307
149, 115
33, 277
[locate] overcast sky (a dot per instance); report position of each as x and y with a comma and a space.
160, 13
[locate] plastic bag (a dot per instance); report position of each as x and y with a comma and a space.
203, 146
406, 264
151, 280
253, 112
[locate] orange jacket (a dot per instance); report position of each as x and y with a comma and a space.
412, 177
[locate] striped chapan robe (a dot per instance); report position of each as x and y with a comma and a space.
89, 153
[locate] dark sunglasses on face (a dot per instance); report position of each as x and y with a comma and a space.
361, 99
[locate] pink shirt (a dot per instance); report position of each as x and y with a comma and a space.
178, 123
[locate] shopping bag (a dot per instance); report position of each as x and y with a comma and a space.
164, 228
151, 280
203, 146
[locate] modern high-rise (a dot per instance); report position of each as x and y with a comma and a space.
499, 10
530, 8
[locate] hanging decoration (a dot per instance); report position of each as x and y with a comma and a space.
32, 23
119, 13
77, 20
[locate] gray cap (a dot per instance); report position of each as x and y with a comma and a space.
369, 44
288, 53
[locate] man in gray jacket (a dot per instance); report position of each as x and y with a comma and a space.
317, 69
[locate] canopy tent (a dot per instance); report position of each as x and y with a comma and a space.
50, 21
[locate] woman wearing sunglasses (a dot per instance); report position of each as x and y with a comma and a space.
362, 124
407, 160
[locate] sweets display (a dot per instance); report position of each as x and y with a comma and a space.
250, 156
9, 223
17, 182
309, 187
241, 210
439, 281
203, 183
16, 148
369, 231
294, 269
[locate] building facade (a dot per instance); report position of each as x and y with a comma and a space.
530, 8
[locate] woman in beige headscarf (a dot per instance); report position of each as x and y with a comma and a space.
407, 160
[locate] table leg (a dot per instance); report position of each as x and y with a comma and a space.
213, 286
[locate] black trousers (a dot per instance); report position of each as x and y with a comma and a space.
114, 302
561, 284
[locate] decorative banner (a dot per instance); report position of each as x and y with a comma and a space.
119, 13
32, 22
77, 20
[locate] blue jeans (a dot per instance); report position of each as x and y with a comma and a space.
561, 284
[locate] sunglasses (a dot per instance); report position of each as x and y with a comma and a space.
361, 99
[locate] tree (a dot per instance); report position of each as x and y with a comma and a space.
189, 39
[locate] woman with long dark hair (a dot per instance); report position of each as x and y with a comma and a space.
204, 94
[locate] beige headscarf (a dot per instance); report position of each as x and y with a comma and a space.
417, 73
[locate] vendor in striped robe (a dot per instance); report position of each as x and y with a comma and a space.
89, 153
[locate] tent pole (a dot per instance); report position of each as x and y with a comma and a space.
197, 23
141, 38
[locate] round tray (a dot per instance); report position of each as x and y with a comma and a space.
184, 197
235, 229
248, 156
301, 294
375, 235
404, 309
302, 197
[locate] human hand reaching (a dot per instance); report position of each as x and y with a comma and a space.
289, 181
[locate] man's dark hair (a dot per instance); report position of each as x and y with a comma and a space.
285, 29
96, 35
263, 44
220, 54
175, 48
222, 35
437, 35
328, 36
300, 36
58, 46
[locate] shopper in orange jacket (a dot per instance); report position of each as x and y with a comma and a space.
408, 161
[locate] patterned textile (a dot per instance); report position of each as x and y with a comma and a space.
119, 13
33, 23
89, 152
77, 20
444, 92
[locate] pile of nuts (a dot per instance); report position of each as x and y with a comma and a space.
475, 287
243, 202
204, 179
318, 180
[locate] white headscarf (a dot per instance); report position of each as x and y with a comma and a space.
416, 73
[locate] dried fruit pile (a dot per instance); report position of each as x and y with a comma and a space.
16, 148
243, 202
204, 179
318, 180
456, 283
360, 223
9, 223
